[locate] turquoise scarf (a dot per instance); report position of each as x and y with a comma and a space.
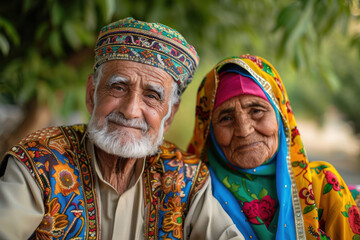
258, 200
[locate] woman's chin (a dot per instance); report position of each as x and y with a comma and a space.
247, 161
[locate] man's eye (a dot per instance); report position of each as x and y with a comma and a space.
119, 88
153, 96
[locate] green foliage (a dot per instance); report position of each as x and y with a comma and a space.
10, 35
43, 48
46, 47
320, 212
356, 237
308, 208
263, 193
327, 188
305, 24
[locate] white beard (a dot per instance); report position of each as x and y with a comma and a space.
113, 142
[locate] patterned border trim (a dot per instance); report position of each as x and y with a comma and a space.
152, 200
199, 180
163, 202
87, 180
18, 152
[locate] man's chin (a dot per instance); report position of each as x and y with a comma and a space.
126, 147
124, 143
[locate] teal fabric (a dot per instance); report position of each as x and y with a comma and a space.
263, 193
254, 190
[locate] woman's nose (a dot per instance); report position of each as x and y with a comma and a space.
243, 125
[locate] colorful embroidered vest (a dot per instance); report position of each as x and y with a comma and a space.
58, 161
171, 179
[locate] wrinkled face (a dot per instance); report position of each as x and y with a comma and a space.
129, 106
246, 129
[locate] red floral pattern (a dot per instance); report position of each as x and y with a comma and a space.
308, 195
264, 209
332, 179
354, 219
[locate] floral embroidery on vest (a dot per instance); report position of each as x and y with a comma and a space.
171, 179
57, 159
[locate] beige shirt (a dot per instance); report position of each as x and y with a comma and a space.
122, 217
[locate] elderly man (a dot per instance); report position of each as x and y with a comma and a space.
116, 178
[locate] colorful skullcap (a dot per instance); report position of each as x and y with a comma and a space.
149, 43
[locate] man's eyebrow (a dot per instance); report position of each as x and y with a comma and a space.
158, 89
117, 79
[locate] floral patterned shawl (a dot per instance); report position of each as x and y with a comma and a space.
321, 204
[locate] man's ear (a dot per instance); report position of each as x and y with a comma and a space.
90, 94
168, 122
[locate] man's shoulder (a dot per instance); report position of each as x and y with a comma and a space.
49, 140
42, 149
48, 134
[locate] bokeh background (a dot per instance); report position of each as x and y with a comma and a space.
46, 54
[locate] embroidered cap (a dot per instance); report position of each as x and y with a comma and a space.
149, 43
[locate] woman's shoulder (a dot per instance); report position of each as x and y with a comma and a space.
320, 165
336, 206
328, 184
321, 170
323, 173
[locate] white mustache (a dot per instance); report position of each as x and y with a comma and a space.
119, 118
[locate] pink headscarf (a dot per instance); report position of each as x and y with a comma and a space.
234, 84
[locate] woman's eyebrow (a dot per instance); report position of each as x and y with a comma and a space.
254, 104
227, 110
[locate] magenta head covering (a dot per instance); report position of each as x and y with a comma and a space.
233, 84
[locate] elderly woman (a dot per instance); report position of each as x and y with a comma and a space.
246, 131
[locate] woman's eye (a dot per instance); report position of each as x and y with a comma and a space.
225, 118
257, 112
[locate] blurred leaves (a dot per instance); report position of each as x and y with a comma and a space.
8, 35
305, 24
47, 50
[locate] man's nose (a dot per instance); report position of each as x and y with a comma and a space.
131, 106
243, 125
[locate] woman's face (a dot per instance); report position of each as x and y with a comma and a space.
246, 129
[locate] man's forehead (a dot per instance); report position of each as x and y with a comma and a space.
137, 71
142, 82
134, 72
